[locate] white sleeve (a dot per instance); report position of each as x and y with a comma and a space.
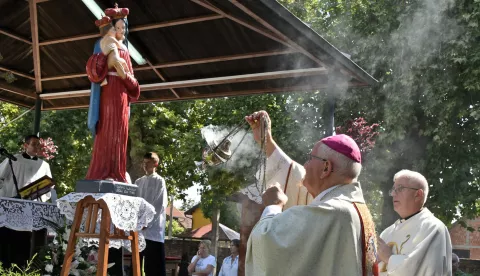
212, 261
3, 168
271, 210
159, 202
48, 172
3, 175
277, 168
193, 259
276, 171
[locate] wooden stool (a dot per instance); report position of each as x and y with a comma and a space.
104, 236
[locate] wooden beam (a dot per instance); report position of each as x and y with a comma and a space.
235, 79
252, 92
65, 107
18, 73
162, 78
138, 28
67, 94
15, 36
277, 32
18, 91
67, 76
68, 39
176, 22
3, 99
224, 58
225, 94
35, 47
201, 82
189, 62
215, 95
241, 22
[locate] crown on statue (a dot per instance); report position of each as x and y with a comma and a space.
104, 21
116, 13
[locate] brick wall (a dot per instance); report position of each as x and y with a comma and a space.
466, 241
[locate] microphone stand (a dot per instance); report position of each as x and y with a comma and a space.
14, 179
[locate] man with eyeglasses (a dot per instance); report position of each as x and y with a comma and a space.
332, 235
418, 243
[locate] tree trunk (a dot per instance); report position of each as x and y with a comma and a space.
215, 226
170, 225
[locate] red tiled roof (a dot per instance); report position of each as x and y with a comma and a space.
206, 231
201, 232
186, 222
176, 213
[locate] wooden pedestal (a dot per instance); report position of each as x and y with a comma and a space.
104, 236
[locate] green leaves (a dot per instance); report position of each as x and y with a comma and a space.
426, 56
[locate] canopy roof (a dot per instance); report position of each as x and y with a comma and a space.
193, 48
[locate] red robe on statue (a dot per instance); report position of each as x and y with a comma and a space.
109, 156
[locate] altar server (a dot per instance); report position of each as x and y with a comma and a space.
152, 188
28, 168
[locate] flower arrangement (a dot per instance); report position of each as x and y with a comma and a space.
48, 149
84, 262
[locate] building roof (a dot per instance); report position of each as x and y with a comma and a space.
176, 213
191, 210
194, 49
186, 222
205, 232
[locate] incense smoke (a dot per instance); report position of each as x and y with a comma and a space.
244, 152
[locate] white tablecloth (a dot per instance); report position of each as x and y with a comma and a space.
128, 213
27, 215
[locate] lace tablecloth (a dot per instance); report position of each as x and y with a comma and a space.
27, 215
128, 213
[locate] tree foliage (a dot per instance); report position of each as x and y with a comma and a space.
425, 55
177, 229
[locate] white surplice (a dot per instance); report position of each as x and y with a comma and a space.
277, 171
322, 238
26, 172
152, 188
421, 245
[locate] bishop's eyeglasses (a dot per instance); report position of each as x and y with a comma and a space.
310, 156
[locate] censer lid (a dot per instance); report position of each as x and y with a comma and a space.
222, 151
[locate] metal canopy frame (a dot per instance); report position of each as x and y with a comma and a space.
265, 17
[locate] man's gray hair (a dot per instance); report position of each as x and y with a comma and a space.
414, 178
455, 258
341, 164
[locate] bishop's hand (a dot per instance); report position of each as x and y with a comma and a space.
274, 196
384, 251
254, 120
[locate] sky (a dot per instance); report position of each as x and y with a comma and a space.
192, 193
